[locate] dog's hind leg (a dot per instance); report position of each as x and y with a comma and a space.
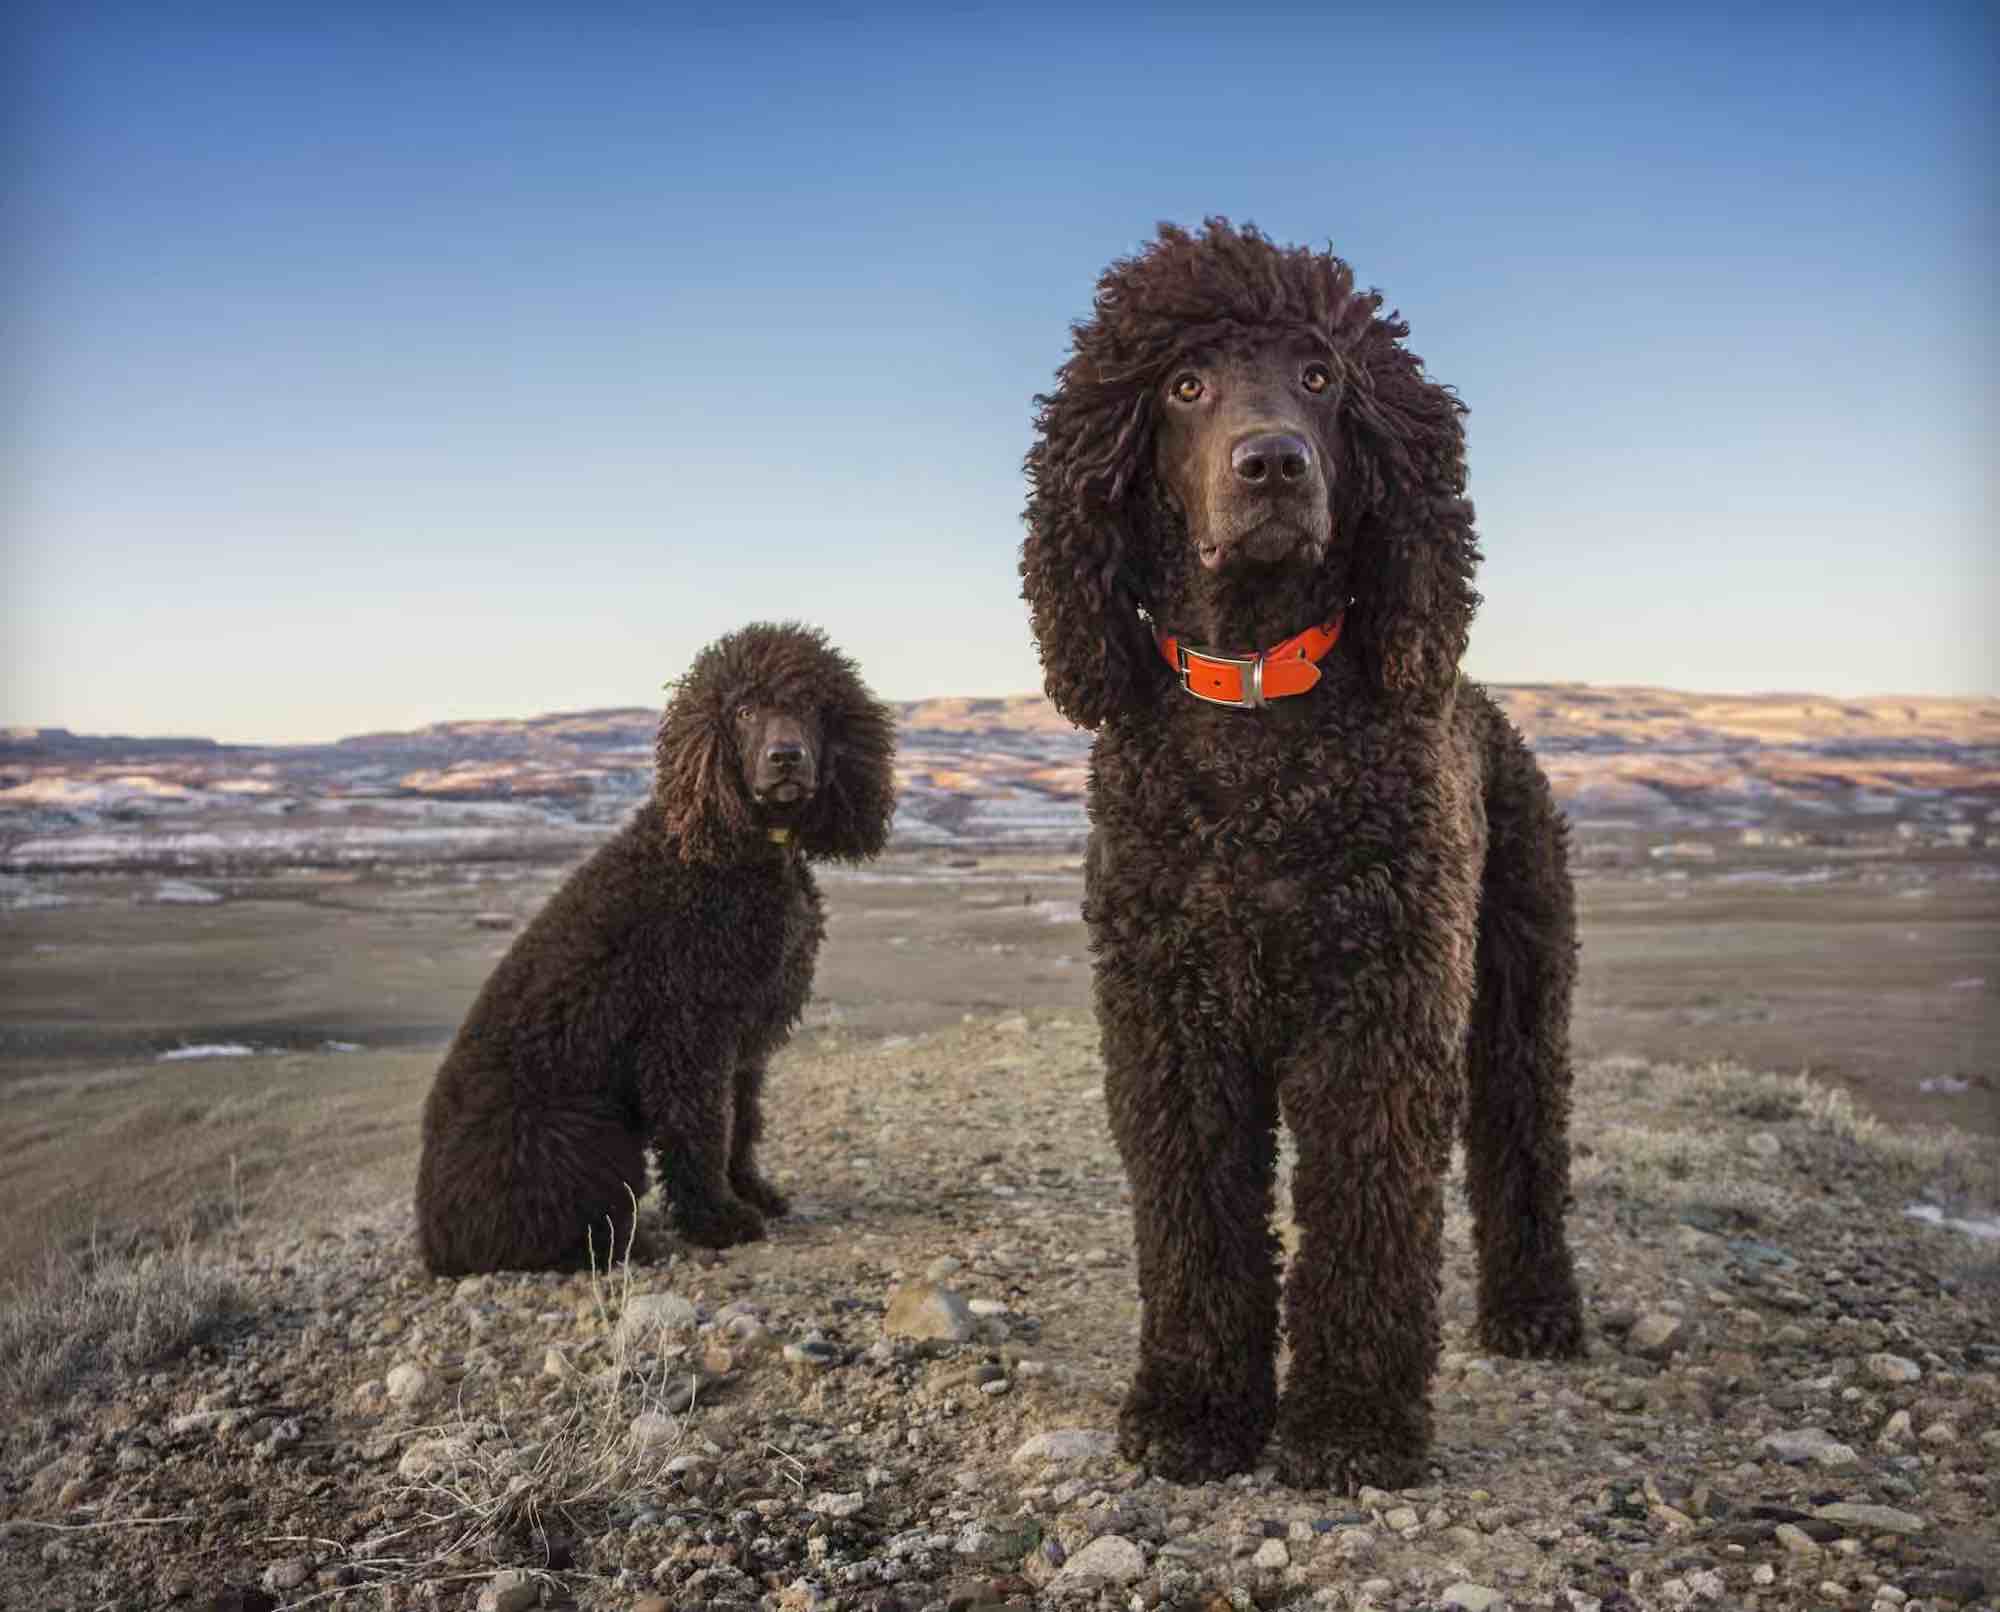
1518, 1068
528, 1189
1197, 1129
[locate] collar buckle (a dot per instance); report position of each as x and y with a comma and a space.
1250, 678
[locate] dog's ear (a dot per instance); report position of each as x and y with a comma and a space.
852, 809
1076, 563
1404, 504
699, 776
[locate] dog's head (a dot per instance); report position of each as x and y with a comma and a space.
772, 732
1240, 444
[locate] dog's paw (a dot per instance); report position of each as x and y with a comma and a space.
1348, 1442
760, 1194
1344, 1468
1188, 1441
1550, 1329
721, 1225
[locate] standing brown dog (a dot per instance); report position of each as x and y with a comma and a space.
641, 1005
1326, 880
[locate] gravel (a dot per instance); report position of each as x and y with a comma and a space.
1792, 1398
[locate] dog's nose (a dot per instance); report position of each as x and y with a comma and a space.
1271, 456
787, 755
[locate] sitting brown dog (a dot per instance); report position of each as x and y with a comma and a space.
643, 1003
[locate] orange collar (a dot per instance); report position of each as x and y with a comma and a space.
1248, 681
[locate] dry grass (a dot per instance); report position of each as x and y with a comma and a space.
505, 1493
1686, 1137
102, 1311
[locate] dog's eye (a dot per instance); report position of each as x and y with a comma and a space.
1186, 388
1316, 379
745, 712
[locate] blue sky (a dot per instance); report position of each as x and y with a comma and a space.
380, 365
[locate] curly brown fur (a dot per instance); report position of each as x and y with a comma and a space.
641, 1005
1328, 910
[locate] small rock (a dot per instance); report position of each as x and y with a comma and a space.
652, 1431
1939, 1433
1109, 1557
1795, 1539
648, 1315
1876, 1519
1273, 1553
1897, 1430
1473, 1598
1813, 1444
837, 1505
510, 1592
1400, 1517
288, 1574
924, 1310
409, 1384
1657, 1335
1067, 1444
815, 1353
1887, 1368
1707, 1584
1763, 1144
941, 1267
431, 1457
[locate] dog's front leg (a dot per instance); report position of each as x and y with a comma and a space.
1197, 1129
744, 1177
1373, 1127
691, 1120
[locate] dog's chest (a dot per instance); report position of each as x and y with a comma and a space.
757, 936
1258, 860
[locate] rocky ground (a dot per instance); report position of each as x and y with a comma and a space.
905, 1399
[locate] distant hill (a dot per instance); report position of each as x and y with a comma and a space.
972, 771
